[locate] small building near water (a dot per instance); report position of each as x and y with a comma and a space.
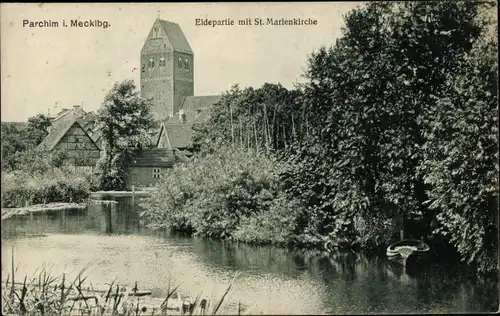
147, 166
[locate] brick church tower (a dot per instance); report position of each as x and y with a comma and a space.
167, 69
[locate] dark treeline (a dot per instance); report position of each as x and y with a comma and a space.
394, 129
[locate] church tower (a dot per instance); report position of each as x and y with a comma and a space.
167, 69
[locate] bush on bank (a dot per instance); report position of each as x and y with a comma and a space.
232, 194
21, 188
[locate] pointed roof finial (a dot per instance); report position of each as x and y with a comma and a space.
159, 15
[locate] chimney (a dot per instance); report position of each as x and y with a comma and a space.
78, 110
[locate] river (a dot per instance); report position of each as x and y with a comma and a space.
271, 280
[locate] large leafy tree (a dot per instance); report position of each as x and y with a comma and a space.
461, 157
123, 120
13, 144
375, 95
17, 141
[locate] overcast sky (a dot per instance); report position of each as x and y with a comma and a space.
46, 67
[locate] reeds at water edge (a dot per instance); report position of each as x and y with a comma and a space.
45, 294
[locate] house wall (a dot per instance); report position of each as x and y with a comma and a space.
80, 148
163, 140
143, 176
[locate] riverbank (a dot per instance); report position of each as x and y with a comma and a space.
139, 192
97, 197
8, 212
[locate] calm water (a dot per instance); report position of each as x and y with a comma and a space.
271, 280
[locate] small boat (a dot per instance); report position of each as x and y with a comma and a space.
401, 250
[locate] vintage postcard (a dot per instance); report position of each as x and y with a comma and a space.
249, 158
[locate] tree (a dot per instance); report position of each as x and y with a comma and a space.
262, 119
36, 130
461, 158
13, 144
371, 97
124, 119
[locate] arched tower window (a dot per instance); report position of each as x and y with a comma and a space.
179, 62
151, 63
163, 62
186, 63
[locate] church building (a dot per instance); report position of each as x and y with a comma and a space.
167, 79
167, 69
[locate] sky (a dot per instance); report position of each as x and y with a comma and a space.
58, 67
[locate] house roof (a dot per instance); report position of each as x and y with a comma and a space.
151, 157
186, 153
59, 129
176, 36
88, 119
96, 138
197, 109
179, 135
182, 155
75, 111
61, 113
88, 122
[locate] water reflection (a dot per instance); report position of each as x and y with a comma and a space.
272, 279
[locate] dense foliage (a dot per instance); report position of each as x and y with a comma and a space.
404, 96
124, 119
13, 145
263, 119
461, 157
394, 130
234, 194
37, 129
17, 138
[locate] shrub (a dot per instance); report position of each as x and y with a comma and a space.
20, 188
224, 194
279, 224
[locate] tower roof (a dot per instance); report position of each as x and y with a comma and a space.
176, 36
